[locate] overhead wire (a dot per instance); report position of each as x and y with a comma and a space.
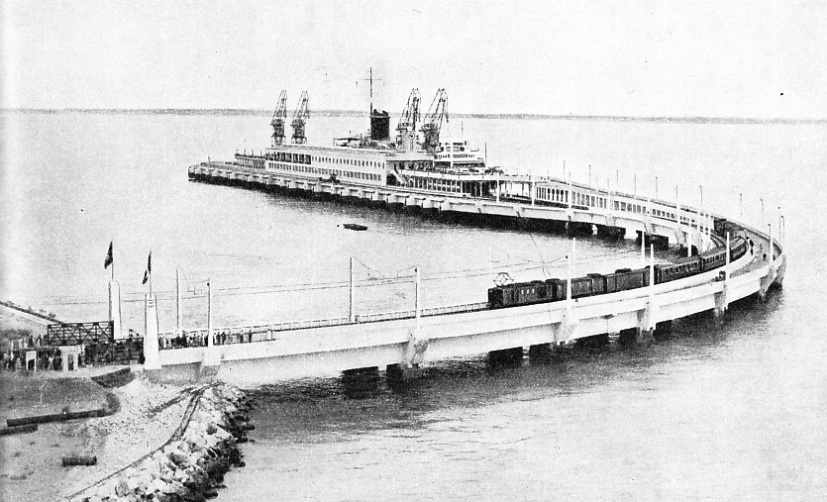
385, 279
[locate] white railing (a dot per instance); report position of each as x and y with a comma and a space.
265, 332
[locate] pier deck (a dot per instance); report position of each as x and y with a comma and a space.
403, 339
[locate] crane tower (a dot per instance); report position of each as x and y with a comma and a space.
406, 130
279, 117
300, 116
432, 123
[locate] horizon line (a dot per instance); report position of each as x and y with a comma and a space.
524, 116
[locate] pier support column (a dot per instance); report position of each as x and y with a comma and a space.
115, 309
647, 318
409, 368
766, 282
721, 300
152, 359
398, 373
721, 305
506, 357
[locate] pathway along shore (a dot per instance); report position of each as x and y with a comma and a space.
164, 442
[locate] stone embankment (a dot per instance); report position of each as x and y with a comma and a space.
191, 465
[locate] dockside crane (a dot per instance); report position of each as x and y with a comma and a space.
432, 123
406, 130
279, 117
300, 116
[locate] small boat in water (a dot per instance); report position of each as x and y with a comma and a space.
354, 226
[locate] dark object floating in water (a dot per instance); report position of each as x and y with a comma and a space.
354, 226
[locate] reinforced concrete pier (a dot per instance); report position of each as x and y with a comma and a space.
404, 342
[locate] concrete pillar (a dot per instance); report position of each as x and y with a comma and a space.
506, 357
402, 373
152, 360
115, 309
645, 336
647, 317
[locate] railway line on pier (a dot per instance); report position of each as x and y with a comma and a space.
404, 341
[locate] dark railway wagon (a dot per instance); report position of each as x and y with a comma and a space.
552, 290
683, 267
598, 283
626, 278
713, 259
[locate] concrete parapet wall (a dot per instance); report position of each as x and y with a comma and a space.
331, 349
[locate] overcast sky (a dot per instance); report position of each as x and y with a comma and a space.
750, 58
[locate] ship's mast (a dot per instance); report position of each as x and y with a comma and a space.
370, 80
379, 120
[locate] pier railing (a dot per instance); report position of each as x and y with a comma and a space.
265, 332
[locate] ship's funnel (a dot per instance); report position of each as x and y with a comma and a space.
380, 126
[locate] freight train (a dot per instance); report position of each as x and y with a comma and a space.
553, 290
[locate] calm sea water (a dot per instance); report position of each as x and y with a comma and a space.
706, 414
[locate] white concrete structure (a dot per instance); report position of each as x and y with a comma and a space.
294, 350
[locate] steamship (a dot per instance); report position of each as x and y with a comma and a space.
415, 158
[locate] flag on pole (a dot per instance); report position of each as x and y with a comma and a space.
108, 260
148, 270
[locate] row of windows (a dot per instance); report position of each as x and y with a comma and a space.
348, 162
680, 268
581, 199
663, 214
578, 199
296, 158
301, 158
435, 184
322, 171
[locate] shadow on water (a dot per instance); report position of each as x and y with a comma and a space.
337, 408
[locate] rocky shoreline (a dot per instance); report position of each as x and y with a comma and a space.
191, 465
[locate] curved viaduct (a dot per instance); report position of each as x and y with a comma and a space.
403, 341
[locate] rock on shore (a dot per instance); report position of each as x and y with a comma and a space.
192, 465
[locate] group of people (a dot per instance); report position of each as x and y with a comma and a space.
15, 360
195, 339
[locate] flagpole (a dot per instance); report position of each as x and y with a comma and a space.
113, 262
149, 271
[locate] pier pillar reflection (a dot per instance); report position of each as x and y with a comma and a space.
506, 357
